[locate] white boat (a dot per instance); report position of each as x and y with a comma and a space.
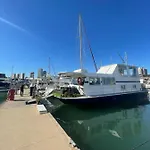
110, 84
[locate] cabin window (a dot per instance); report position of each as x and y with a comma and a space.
134, 86
74, 81
94, 81
97, 80
104, 81
108, 81
91, 81
112, 81
132, 71
123, 70
86, 80
123, 87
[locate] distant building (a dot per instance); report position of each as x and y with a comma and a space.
22, 76
40, 73
139, 70
13, 76
17, 75
142, 71
44, 74
32, 75
146, 72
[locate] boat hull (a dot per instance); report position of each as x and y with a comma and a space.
127, 99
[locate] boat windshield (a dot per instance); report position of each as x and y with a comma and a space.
127, 70
74, 81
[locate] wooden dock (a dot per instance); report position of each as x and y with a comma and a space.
23, 128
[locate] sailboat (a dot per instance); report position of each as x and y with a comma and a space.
110, 85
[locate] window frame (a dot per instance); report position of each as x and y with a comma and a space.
123, 87
94, 81
134, 86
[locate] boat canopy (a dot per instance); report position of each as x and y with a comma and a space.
109, 69
119, 69
81, 71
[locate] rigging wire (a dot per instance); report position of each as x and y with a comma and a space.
141, 144
90, 47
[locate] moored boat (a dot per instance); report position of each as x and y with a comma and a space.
111, 85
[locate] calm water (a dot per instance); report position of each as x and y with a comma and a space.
3, 96
94, 129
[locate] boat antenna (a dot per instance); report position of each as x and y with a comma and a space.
123, 61
80, 36
89, 47
126, 62
126, 58
49, 65
12, 70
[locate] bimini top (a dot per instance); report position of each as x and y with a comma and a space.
109, 69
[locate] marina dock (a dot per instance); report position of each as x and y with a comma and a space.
23, 128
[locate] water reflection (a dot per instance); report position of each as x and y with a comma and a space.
126, 121
91, 128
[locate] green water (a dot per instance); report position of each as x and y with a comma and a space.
3, 96
91, 129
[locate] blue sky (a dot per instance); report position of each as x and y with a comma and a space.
33, 30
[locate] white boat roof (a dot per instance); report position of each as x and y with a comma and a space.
78, 74
81, 71
109, 69
74, 74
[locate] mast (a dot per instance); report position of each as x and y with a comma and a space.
90, 47
123, 61
80, 36
126, 62
81, 27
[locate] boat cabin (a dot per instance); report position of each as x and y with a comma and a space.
110, 79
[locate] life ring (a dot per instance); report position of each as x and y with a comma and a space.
80, 81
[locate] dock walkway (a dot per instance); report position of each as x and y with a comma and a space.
23, 128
